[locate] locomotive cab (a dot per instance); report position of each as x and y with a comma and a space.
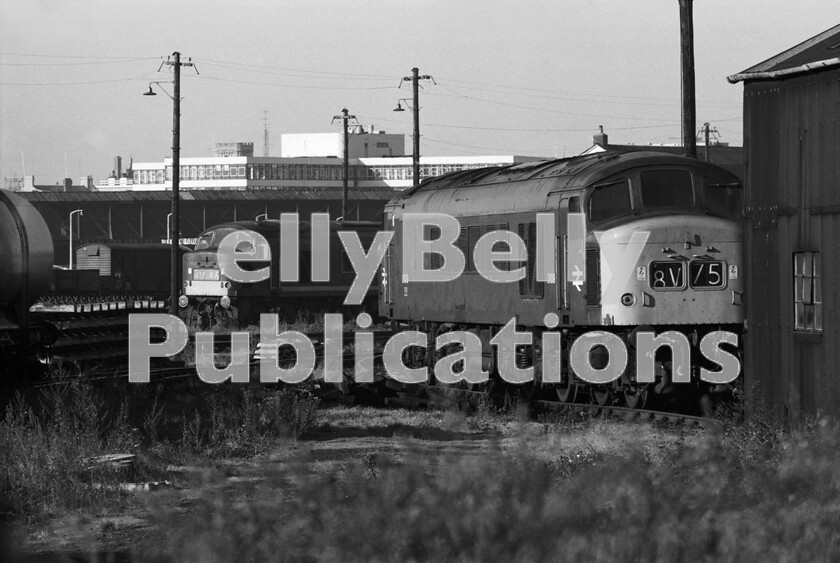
664, 248
211, 297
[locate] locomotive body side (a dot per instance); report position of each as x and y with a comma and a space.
662, 249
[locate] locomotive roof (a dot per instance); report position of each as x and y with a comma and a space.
526, 187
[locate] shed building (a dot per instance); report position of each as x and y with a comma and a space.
141, 216
792, 234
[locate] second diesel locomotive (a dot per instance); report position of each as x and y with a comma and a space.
659, 249
211, 298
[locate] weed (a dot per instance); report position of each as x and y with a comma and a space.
47, 461
516, 507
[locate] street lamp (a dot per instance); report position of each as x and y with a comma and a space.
168, 217
263, 215
80, 212
175, 231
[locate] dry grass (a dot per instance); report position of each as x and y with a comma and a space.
434, 485
604, 491
48, 447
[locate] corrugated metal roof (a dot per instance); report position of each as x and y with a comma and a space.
820, 52
382, 193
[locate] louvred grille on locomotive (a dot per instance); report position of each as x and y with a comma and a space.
593, 276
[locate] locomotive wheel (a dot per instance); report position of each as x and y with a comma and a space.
566, 391
601, 395
636, 398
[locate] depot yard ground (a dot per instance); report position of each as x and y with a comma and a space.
259, 475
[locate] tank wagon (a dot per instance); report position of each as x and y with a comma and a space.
210, 298
70, 318
26, 255
641, 241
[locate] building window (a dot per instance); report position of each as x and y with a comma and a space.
807, 291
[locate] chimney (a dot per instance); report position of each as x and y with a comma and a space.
117, 167
600, 139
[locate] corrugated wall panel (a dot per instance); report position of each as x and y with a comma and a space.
792, 148
94, 257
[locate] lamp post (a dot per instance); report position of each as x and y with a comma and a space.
80, 212
345, 117
415, 79
168, 217
175, 231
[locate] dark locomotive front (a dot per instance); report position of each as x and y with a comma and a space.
210, 298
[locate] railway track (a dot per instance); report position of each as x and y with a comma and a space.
431, 396
183, 378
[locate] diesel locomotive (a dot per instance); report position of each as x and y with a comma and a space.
637, 242
211, 298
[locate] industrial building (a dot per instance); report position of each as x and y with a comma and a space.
310, 160
792, 235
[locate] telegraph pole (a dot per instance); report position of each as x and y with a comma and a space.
689, 111
707, 132
415, 79
175, 232
265, 133
344, 117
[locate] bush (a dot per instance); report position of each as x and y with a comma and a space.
246, 421
47, 461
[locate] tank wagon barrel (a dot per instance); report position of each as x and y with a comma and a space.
26, 255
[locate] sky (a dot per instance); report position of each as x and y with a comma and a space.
530, 77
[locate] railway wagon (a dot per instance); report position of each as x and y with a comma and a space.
26, 257
213, 299
129, 267
639, 242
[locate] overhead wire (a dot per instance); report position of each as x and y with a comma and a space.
77, 56
496, 88
204, 76
520, 129
455, 94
